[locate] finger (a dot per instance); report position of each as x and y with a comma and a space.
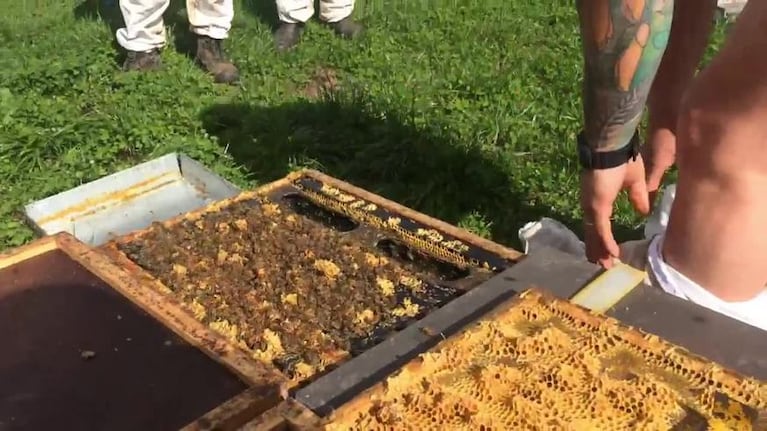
654, 177
604, 231
595, 250
607, 262
639, 197
597, 198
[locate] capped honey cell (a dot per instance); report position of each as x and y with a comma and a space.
288, 289
542, 363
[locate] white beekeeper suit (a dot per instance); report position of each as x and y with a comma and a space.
144, 29
646, 255
300, 11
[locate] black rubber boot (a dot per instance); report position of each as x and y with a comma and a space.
142, 61
347, 28
210, 55
287, 36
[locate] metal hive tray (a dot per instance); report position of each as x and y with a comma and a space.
731, 8
129, 200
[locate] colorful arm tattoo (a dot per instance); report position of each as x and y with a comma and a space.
623, 44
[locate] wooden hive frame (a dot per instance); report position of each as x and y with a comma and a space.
112, 250
465, 236
730, 381
288, 416
267, 387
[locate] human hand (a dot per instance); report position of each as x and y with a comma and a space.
599, 189
659, 154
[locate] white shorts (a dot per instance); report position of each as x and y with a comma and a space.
662, 275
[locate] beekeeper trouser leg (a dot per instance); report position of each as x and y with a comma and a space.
144, 28
298, 11
212, 18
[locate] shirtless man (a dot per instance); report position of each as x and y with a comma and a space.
713, 126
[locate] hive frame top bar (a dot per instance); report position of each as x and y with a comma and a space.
353, 377
289, 415
731, 381
28, 251
462, 235
238, 412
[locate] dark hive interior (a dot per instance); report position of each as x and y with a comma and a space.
78, 356
292, 283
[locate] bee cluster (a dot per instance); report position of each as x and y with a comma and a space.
286, 288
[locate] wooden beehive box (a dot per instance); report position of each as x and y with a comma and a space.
307, 271
87, 347
288, 416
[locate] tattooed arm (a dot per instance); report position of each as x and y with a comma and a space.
623, 43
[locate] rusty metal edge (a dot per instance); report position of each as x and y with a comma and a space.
631, 334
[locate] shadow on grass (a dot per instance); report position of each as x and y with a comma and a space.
378, 151
264, 10
109, 12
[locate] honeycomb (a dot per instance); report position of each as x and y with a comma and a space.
546, 364
427, 240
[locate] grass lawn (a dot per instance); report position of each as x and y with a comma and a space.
466, 113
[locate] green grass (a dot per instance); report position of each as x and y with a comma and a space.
467, 113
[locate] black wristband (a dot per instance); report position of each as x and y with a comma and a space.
592, 160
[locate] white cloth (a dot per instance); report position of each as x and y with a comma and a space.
144, 28
658, 220
646, 256
675, 283
548, 232
298, 11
